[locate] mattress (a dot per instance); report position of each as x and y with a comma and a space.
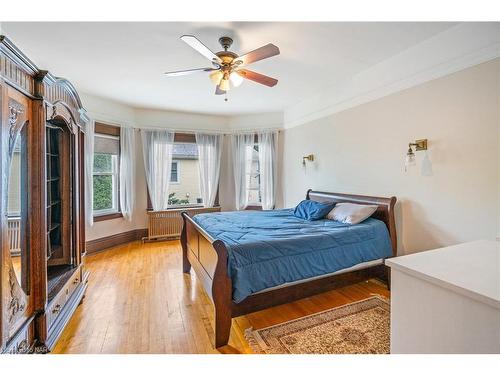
271, 248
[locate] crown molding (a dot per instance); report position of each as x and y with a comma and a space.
117, 113
455, 49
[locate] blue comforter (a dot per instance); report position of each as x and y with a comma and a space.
269, 248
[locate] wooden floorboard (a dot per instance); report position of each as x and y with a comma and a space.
139, 301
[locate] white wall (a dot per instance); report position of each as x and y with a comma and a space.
179, 120
361, 150
256, 121
108, 111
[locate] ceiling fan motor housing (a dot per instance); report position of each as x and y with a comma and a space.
225, 42
226, 56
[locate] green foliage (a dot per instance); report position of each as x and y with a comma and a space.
103, 192
103, 185
102, 163
172, 200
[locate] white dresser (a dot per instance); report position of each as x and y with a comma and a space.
447, 300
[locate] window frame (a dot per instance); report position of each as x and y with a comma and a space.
254, 205
101, 129
178, 163
182, 138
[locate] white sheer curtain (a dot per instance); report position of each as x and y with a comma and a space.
89, 170
242, 145
157, 147
209, 152
127, 171
268, 144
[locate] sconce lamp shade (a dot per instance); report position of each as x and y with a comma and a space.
420, 145
410, 160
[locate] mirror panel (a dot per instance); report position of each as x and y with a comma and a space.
17, 199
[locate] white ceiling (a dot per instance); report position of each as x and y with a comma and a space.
125, 61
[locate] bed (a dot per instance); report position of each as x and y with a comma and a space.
251, 260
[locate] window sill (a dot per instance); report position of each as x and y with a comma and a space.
105, 217
186, 207
254, 207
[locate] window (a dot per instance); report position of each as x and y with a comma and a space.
184, 186
106, 177
253, 176
174, 172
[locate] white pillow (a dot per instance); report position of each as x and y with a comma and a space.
351, 213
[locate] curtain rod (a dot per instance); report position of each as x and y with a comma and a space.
206, 131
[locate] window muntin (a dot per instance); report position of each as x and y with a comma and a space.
106, 174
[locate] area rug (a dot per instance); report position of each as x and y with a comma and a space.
358, 328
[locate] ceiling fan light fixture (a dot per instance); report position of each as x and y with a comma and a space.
216, 77
224, 84
228, 69
235, 79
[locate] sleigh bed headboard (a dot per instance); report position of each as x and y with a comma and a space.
385, 210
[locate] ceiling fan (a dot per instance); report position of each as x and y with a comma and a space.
228, 69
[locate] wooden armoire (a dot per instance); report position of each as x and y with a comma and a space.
42, 242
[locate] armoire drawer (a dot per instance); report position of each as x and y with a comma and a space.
57, 305
73, 283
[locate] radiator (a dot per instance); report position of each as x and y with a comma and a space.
14, 231
168, 224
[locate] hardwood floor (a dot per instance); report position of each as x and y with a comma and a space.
139, 301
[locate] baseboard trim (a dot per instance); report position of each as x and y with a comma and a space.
103, 243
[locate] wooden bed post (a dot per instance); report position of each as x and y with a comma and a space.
222, 290
186, 265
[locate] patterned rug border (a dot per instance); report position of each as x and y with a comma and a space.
256, 343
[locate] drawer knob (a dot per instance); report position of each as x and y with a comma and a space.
56, 309
75, 281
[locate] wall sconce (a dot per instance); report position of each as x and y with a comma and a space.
420, 145
308, 158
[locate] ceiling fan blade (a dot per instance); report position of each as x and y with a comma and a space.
261, 53
218, 91
194, 42
188, 71
257, 77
